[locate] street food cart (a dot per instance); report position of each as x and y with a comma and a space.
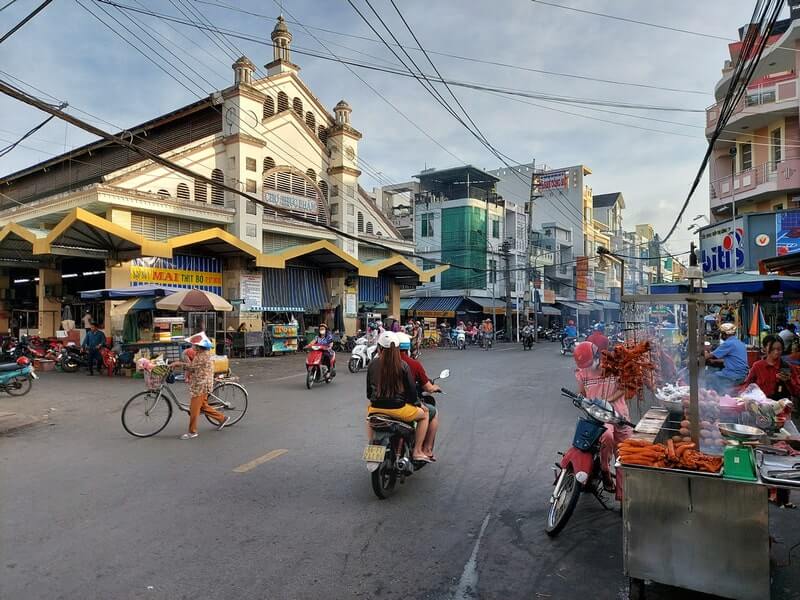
695, 509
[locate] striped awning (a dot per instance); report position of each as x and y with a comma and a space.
440, 303
373, 290
294, 287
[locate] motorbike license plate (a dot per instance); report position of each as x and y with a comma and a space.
374, 453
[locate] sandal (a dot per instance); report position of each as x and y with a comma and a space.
422, 458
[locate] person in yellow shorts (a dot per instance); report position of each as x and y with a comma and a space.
391, 390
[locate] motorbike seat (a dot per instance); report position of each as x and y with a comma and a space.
381, 421
9, 367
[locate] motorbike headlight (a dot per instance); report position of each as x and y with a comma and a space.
599, 413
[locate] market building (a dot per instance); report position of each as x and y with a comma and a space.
102, 217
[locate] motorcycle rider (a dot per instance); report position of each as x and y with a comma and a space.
423, 384
528, 329
598, 336
324, 338
391, 391
570, 334
593, 385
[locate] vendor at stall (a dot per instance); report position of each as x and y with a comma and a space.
731, 355
776, 378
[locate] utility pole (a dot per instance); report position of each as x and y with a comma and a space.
657, 244
530, 274
505, 250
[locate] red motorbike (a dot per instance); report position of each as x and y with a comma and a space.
316, 369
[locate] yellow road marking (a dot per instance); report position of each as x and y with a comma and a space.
249, 466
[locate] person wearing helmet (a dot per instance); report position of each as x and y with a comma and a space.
592, 384
570, 330
598, 337
731, 356
391, 391
325, 339
201, 370
423, 384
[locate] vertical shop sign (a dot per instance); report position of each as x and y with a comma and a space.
582, 279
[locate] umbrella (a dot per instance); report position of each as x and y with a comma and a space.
755, 321
135, 304
194, 301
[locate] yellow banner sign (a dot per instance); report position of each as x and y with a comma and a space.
161, 276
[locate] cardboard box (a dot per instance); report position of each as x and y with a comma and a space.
41, 364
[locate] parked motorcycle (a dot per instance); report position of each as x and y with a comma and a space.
389, 455
362, 355
16, 378
316, 369
527, 338
72, 358
579, 469
461, 339
567, 344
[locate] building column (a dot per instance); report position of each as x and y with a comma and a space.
49, 304
394, 299
5, 306
118, 275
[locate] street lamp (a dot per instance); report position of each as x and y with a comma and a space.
494, 280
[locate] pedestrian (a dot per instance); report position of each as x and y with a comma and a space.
94, 340
87, 321
201, 370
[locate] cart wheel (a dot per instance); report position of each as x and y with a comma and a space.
636, 589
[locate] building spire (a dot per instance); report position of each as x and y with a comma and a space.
281, 40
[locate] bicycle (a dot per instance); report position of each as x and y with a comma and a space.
147, 413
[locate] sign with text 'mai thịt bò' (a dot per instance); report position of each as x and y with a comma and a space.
291, 202
181, 271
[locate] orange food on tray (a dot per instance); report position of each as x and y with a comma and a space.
675, 455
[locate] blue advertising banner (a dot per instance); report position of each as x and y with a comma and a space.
787, 232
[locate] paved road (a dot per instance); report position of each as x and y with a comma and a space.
89, 512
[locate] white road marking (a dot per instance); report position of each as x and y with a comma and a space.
287, 377
249, 466
468, 584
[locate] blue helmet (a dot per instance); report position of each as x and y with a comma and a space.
405, 341
601, 327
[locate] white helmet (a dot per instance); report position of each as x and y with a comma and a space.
387, 338
728, 328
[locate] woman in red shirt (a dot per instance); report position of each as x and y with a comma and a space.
776, 379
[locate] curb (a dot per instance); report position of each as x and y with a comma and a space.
13, 424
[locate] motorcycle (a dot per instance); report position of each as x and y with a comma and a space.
316, 369
72, 358
527, 338
361, 355
567, 344
389, 455
487, 339
16, 378
579, 469
461, 339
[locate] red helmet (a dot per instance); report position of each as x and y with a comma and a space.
23, 361
584, 354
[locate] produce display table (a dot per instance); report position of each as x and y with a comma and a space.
170, 350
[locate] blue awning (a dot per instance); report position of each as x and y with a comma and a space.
751, 283
407, 303
294, 287
128, 292
373, 290
438, 304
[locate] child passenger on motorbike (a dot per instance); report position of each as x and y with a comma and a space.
391, 391
592, 384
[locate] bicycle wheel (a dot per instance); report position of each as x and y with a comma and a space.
146, 413
230, 399
19, 386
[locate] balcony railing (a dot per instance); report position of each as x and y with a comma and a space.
773, 92
767, 177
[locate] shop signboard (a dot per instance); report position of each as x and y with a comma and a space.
291, 202
721, 249
582, 279
250, 290
787, 232
181, 271
554, 181
350, 305
549, 297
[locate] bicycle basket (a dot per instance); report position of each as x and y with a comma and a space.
152, 380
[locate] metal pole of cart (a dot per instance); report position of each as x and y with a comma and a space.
694, 368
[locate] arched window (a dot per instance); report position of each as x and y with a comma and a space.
217, 193
284, 182
164, 193
369, 227
269, 163
298, 185
297, 106
269, 107
311, 191
311, 121
323, 186
283, 101
322, 134
183, 192
200, 190
360, 222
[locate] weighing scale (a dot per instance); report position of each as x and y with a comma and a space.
738, 458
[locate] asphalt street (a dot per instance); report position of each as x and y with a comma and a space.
280, 506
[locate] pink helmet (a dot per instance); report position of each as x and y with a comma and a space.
584, 354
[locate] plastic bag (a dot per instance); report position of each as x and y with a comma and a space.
753, 393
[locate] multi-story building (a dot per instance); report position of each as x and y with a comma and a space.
102, 217
397, 203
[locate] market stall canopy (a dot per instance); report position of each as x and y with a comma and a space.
81, 233
194, 301
132, 291
16, 244
752, 283
134, 304
577, 306
441, 306
490, 305
550, 311
214, 242
322, 254
400, 269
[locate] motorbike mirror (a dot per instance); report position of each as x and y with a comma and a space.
444, 374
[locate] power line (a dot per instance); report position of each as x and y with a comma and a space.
30, 132
635, 21
22, 23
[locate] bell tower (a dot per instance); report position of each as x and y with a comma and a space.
281, 49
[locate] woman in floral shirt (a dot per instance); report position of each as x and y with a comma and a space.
201, 381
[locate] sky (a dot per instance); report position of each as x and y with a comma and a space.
65, 52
